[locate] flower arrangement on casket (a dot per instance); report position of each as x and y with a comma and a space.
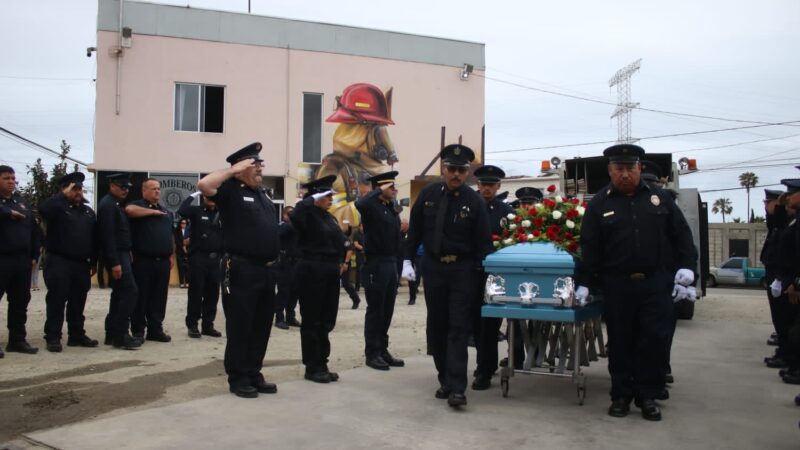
555, 219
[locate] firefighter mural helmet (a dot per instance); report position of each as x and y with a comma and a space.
361, 103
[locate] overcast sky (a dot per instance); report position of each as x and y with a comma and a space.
729, 59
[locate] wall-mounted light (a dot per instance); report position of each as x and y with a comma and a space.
465, 71
89, 51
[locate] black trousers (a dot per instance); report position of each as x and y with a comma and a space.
68, 282
379, 277
248, 308
152, 278
286, 300
183, 268
348, 287
793, 340
203, 293
783, 314
124, 295
639, 318
413, 286
15, 282
450, 297
318, 284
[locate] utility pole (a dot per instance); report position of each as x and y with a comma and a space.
622, 80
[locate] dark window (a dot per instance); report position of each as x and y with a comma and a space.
739, 247
199, 107
312, 128
733, 264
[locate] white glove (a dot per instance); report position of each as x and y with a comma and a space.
684, 277
320, 195
196, 194
776, 287
691, 294
679, 292
408, 271
582, 293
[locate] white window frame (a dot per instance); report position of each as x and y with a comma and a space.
200, 106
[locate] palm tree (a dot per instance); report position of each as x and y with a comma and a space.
722, 205
748, 180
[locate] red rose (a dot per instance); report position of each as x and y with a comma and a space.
583, 204
537, 233
549, 203
553, 228
505, 233
517, 219
551, 188
523, 238
575, 201
572, 213
538, 222
532, 211
568, 235
495, 237
572, 247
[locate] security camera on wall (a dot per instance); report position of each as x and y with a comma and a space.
89, 51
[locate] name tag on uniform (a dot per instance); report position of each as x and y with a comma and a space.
610, 213
204, 217
248, 199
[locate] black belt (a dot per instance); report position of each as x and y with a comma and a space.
86, 260
635, 275
449, 259
252, 260
154, 258
211, 255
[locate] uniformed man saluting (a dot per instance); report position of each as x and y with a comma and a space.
115, 242
71, 245
20, 240
322, 247
485, 329
379, 274
452, 223
250, 240
632, 237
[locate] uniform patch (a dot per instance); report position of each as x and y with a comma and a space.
204, 217
248, 199
655, 200
610, 213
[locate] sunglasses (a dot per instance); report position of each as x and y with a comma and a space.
459, 169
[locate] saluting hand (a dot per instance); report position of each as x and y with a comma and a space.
68, 188
242, 165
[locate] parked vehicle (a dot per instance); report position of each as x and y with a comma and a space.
738, 271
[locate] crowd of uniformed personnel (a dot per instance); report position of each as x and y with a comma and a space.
636, 249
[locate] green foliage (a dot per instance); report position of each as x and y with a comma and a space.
44, 185
748, 180
722, 206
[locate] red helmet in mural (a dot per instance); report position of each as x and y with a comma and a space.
361, 103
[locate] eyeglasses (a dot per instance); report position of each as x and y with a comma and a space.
459, 169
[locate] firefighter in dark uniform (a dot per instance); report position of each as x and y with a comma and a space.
114, 235
786, 286
286, 300
71, 245
153, 258
205, 251
379, 274
20, 241
322, 246
625, 233
486, 329
780, 308
250, 239
452, 223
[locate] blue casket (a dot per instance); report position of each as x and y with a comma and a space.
539, 262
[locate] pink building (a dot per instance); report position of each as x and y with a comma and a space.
178, 89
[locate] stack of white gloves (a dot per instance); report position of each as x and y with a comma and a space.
682, 290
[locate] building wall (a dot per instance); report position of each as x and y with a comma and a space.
721, 234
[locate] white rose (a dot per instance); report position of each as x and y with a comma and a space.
570, 224
581, 210
538, 206
512, 227
510, 216
557, 215
530, 237
557, 199
496, 243
508, 242
525, 223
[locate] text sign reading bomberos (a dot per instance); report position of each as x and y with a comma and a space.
175, 188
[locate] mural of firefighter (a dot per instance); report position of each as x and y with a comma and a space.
361, 147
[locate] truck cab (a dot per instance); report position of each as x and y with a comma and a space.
736, 271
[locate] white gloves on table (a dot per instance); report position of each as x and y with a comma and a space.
776, 288
582, 293
408, 271
684, 277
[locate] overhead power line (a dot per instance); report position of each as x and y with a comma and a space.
690, 133
25, 141
738, 188
637, 107
735, 144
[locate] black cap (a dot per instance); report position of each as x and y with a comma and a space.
319, 185
651, 171
6, 169
624, 153
514, 204
772, 194
457, 155
251, 151
383, 178
502, 196
489, 174
74, 177
122, 179
528, 194
792, 185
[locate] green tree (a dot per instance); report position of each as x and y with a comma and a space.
43, 185
722, 206
748, 180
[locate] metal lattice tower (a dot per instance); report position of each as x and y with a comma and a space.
622, 80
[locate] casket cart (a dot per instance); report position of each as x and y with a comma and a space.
559, 335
